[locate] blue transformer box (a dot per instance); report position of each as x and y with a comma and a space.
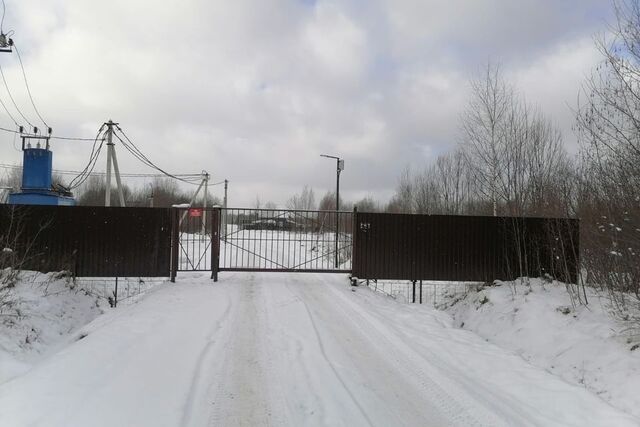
36, 169
37, 181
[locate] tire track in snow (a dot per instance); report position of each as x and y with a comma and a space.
451, 382
329, 363
239, 389
202, 365
456, 407
456, 379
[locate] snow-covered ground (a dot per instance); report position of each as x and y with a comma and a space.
46, 310
584, 345
287, 349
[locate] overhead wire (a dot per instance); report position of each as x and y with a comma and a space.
123, 174
135, 151
65, 138
10, 115
26, 83
4, 80
81, 176
93, 158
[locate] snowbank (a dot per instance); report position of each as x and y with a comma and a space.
48, 309
583, 345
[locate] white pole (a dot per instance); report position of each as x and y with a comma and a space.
117, 172
107, 193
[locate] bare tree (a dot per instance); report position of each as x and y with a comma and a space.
367, 204
304, 201
453, 181
608, 122
483, 126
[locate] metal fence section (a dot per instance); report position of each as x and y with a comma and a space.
285, 240
88, 241
464, 248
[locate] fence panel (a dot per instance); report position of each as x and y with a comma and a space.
89, 241
464, 248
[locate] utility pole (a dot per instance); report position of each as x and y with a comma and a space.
205, 178
151, 197
339, 168
111, 157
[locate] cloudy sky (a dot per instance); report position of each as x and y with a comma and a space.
255, 91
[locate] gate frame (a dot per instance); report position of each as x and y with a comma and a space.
216, 222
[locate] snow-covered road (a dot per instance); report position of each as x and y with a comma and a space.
288, 349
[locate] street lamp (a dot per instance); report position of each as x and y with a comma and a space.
339, 168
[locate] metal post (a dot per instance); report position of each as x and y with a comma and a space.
175, 236
204, 204
337, 209
223, 228
420, 291
115, 295
339, 167
414, 292
215, 243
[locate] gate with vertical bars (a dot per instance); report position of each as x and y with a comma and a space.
277, 240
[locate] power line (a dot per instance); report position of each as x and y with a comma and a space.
4, 80
135, 151
124, 175
10, 115
93, 158
65, 138
26, 83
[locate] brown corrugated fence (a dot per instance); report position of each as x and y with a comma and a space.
464, 248
89, 241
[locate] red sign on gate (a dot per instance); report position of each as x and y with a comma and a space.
197, 212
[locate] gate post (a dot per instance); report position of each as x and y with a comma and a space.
354, 246
175, 236
215, 243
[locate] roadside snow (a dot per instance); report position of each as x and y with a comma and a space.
47, 310
286, 349
584, 346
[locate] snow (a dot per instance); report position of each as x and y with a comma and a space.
47, 308
585, 346
288, 349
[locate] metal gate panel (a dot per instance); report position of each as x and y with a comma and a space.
195, 231
285, 240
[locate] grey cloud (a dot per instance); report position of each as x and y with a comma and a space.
255, 91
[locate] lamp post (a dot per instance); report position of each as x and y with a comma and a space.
339, 168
